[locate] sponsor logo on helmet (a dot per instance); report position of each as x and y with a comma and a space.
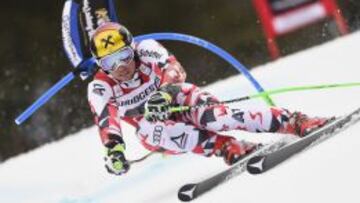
107, 42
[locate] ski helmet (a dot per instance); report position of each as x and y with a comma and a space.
109, 38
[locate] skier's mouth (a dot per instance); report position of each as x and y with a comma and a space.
125, 74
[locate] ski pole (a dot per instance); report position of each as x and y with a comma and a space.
141, 158
261, 94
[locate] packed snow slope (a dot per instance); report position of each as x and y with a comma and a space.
71, 170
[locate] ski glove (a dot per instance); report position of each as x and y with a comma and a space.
157, 108
115, 161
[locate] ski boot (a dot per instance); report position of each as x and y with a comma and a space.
233, 150
304, 125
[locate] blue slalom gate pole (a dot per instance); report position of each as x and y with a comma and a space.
44, 98
157, 36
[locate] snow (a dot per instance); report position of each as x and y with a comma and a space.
71, 170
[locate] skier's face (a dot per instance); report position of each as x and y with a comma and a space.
124, 72
120, 57
119, 64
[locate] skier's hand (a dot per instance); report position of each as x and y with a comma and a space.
157, 107
115, 161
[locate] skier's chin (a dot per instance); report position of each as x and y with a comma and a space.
128, 77
124, 77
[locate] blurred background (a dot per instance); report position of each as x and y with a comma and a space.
33, 58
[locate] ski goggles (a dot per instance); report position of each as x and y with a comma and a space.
119, 58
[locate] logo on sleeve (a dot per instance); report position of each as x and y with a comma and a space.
147, 53
98, 89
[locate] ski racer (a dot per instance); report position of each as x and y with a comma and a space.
139, 82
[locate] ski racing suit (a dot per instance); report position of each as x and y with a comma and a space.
195, 131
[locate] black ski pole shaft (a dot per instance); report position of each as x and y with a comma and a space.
265, 94
141, 158
190, 108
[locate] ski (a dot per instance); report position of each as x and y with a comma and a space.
191, 191
264, 162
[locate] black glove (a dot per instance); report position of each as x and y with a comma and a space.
157, 108
115, 161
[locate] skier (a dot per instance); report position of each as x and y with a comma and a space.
138, 82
